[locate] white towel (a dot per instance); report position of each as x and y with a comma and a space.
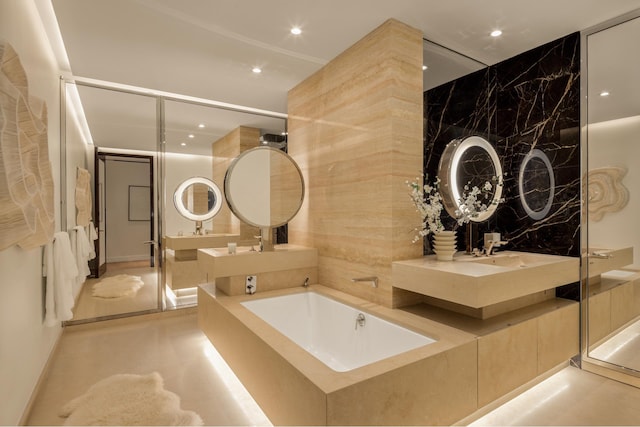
93, 236
81, 251
61, 272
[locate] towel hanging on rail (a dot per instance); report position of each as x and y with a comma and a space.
60, 271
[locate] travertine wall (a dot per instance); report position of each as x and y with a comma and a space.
224, 151
355, 130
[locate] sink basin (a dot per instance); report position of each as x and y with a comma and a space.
482, 281
218, 262
199, 241
504, 261
601, 260
512, 260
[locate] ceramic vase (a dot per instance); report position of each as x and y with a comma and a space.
444, 245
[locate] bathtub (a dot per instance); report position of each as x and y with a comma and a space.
340, 336
289, 349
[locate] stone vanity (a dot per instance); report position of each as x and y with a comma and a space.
486, 286
284, 267
181, 266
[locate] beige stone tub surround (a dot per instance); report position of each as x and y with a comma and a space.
433, 384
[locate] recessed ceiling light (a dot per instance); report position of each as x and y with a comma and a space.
424, 67
257, 70
604, 93
201, 125
191, 135
296, 31
496, 33
184, 144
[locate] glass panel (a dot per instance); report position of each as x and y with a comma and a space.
613, 196
125, 267
191, 131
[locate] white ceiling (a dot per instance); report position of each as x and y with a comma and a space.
207, 48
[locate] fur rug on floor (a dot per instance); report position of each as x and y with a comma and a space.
122, 285
128, 400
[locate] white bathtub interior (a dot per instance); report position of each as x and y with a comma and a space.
330, 331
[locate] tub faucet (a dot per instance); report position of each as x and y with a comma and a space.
360, 320
306, 283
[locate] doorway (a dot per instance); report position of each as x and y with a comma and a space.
125, 249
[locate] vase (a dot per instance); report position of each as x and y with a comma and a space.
444, 245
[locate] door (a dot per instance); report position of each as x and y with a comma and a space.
98, 265
611, 268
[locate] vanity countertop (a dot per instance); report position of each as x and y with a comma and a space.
482, 281
199, 241
218, 262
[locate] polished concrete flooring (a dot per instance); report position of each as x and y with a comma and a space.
173, 345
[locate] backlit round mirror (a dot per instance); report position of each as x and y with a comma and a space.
470, 161
198, 199
264, 187
536, 184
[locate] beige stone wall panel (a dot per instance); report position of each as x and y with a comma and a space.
355, 130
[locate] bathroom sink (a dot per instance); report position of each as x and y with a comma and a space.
218, 262
510, 259
482, 281
199, 241
601, 260
504, 261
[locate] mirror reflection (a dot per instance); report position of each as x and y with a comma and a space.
264, 187
536, 184
612, 258
198, 199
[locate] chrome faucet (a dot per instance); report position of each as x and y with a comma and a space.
372, 279
490, 245
198, 231
306, 283
360, 320
260, 242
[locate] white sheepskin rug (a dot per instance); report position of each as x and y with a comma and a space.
128, 400
122, 285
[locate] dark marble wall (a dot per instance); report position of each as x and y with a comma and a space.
526, 102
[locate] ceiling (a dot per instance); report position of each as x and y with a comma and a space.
207, 48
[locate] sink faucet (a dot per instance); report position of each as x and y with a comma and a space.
491, 244
198, 231
260, 243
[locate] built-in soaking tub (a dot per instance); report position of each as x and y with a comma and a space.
308, 357
340, 336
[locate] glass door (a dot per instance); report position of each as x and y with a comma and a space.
611, 173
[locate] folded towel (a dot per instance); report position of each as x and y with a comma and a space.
61, 272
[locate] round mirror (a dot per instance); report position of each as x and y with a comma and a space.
264, 187
536, 184
469, 162
198, 199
